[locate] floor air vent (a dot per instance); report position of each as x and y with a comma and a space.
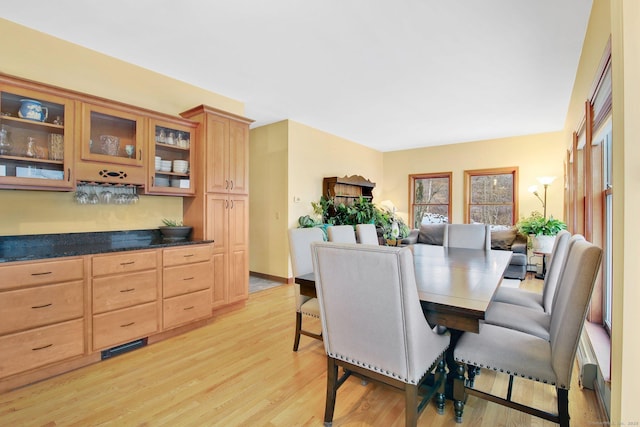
114, 351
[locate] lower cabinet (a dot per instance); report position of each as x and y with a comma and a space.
124, 289
37, 347
187, 280
124, 325
41, 314
57, 315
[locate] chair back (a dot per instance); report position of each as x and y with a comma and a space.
468, 236
300, 240
570, 308
341, 234
370, 310
367, 234
556, 264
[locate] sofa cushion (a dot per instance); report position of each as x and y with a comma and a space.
503, 239
432, 234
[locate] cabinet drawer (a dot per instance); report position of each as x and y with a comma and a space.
187, 255
39, 273
30, 349
123, 262
121, 326
186, 308
43, 305
125, 290
187, 278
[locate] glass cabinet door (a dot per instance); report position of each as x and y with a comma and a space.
36, 139
112, 136
170, 158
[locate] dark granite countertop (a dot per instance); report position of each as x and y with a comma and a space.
43, 246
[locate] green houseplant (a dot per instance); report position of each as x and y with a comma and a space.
361, 211
538, 225
541, 230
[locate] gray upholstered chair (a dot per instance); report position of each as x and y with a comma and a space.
534, 300
524, 355
373, 325
534, 319
469, 236
341, 234
367, 234
300, 240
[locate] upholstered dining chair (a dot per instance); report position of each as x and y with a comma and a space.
367, 234
341, 234
373, 325
300, 240
524, 355
535, 300
533, 319
468, 236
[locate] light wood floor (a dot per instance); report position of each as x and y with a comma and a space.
240, 371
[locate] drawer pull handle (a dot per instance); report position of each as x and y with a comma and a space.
42, 306
188, 308
188, 255
42, 348
128, 290
41, 274
128, 324
127, 263
188, 278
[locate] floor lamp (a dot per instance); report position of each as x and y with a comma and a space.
545, 181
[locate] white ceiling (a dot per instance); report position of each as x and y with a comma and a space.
390, 75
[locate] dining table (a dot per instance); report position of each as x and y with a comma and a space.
455, 285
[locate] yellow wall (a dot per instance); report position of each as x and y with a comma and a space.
534, 155
33, 55
268, 249
625, 38
288, 162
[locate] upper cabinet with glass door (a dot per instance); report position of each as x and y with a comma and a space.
36, 137
111, 145
171, 156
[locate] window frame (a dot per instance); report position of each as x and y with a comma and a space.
469, 174
412, 187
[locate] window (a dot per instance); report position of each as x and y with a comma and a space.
490, 196
430, 197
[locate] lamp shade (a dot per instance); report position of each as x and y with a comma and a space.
546, 180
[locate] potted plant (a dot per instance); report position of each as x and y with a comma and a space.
174, 229
541, 230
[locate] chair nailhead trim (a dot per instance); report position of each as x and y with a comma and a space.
379, 370
481, 365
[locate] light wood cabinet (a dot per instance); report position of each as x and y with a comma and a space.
220, 209
111, 144
187, 281
170, 141
42, 312
36, 150
40, 346
228, 222
125, 297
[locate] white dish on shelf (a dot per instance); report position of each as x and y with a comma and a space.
161, 182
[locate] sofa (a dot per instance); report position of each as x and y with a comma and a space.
502, 238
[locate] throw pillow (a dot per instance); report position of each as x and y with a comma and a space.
503, 239
431, 234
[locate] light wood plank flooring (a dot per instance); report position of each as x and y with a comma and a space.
240, 371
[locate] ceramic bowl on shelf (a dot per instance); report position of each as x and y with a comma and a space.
180, 166
165, 165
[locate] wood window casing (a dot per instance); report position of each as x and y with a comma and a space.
413, 179
468, 176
